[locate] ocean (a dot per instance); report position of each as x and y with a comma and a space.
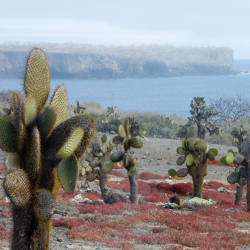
161, 95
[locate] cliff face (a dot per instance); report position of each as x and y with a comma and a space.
88, 62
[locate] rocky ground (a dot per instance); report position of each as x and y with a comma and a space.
157, 156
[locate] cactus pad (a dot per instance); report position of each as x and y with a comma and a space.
229, 158
117, 156
180, 160
30, 110
181, 151
34, 156
212, 153
136, 142
18, 188
67, 173
59, 103
172, 172
183, 172
47, 121
71, 144
43, 204
8, 136
200, 146
121, 131
37, 77
189, 160
17, 108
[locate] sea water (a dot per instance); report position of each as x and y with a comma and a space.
162, 95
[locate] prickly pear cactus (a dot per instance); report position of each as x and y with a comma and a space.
44, 151
196, 154
99, 166
127, 136
239, 175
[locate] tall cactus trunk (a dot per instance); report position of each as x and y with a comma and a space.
238, 195
201, 132
197, 185
103, 186
28, 233
198, 173
22, 228
133, 189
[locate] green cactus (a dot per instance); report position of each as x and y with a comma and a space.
99, 164
44, 151
127, 136
194, 152
239, 175
203, 117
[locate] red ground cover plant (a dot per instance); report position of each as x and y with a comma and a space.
205, 229
150, 176
5, 235
2, 168
92, 196
118, 173
114, 209
122, 185
215, 185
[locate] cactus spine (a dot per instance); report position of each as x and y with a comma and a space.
44, 151
195, 153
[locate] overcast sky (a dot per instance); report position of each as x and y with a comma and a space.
125, 22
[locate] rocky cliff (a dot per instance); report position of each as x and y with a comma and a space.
89, 62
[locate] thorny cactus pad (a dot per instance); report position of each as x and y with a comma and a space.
44, 151
195, 153
239, 175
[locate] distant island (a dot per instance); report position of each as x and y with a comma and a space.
102, 62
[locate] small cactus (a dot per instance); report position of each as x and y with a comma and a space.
44, 150
195, 153
127, 136
239, 176
99, 164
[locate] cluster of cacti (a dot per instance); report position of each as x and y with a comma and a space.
99, 165
44, 150
202, 115
239, 175
111, 120
127, 137
196, 154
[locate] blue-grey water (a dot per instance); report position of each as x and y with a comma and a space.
161, 95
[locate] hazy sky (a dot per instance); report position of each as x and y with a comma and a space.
125, 22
